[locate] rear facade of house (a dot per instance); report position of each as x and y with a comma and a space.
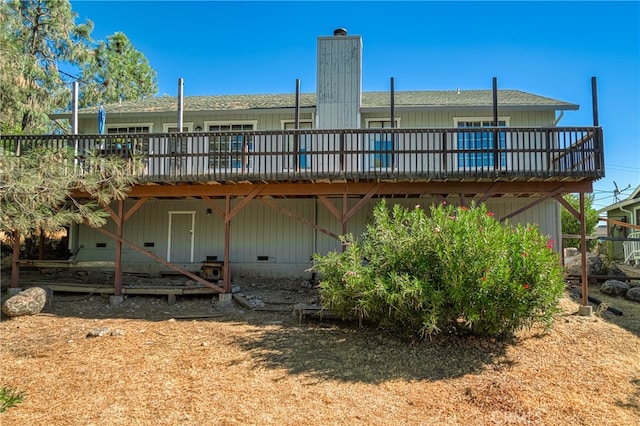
262, 182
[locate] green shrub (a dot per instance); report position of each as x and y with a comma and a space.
9, 398
457, 269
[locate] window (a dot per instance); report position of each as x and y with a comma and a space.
177, 145
229, 149
131, 128
128, 142
173, 127
478, 146
381, 145
304, 144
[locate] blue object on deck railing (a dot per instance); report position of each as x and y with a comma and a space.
102, 118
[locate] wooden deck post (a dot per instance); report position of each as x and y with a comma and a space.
585, 309
227, 240
117, 282
15, 265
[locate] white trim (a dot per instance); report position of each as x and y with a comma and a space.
310, 121
115, 125
193, 225
506, 119
165, 126
206, 124
370, 119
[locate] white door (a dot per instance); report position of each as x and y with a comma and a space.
181, 237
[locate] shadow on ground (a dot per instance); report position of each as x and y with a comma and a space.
353, 354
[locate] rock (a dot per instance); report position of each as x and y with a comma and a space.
98, 332
571, 251
306, 284
614, 288
28, 302
633, 294
615, 271
594, 265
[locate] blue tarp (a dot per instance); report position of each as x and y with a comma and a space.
102, 117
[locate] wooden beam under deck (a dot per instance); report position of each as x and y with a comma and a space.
357, 188
321, 191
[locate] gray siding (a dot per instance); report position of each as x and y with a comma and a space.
259, 230
339, 85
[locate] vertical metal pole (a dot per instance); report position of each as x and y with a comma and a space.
74, 123
297, 112
393, 102
180, 104
74, 105
495, 101
496, 140
296, 137
594, 101
583, 252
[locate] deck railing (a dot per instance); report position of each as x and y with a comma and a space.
474, 154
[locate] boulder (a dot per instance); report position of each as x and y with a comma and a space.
28, 302
594, 265
614, 288
633, 294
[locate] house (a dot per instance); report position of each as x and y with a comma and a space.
260, 183
623, 221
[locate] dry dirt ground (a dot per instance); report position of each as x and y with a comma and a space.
198, 363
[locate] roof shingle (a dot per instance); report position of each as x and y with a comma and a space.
418, 99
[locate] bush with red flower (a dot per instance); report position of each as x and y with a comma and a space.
454, 269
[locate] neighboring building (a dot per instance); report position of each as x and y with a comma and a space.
624, 217
242, 185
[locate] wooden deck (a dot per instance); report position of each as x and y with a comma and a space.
353, 155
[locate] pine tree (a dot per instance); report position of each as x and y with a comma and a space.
37, 37
117, 72
47, 190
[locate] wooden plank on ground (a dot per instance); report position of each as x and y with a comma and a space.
70, 287
241, 301
65, 264
306, 310
108, 289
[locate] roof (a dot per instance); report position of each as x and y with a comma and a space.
436, 99
634, 198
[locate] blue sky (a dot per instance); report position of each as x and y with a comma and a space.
547, 48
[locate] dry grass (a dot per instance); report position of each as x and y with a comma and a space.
264, 368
